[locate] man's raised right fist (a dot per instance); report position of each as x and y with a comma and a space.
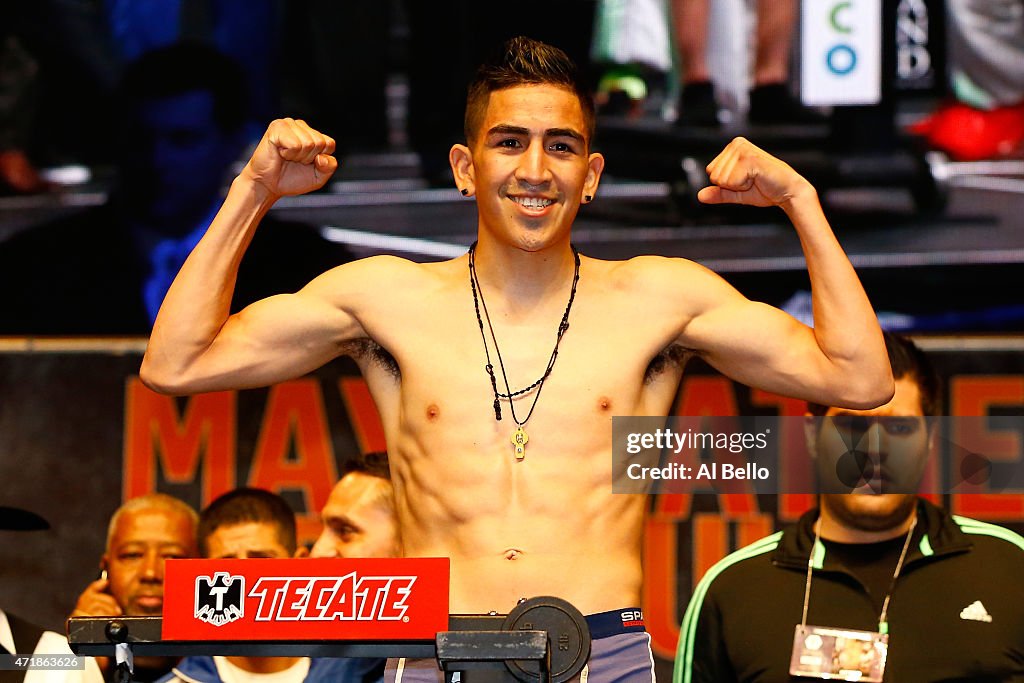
291, 159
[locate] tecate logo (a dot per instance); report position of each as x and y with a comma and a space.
332, 598
219, 598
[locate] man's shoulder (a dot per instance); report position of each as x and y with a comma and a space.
24, 632
729, 584
390, 271
194, 668
992, 536
53, 643
656, 274
644, 263
740, 567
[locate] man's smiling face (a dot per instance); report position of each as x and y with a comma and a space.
530, 165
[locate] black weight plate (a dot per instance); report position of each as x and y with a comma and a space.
568, 635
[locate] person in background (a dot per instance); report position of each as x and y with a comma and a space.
875, 559
143, 533
359, 517
985, 119
770, 99
106, 270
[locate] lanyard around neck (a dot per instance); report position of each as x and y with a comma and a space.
883, 625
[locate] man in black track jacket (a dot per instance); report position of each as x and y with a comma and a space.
954, 612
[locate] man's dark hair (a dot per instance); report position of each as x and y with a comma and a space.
244, 505
524, 61
374, 464
907, 360
186, 67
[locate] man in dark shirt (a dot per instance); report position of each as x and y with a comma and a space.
943, 590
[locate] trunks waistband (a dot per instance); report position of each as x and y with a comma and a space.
615, 622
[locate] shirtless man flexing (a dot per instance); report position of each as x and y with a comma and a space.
542, 521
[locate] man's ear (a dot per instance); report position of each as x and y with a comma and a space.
933, 435
595, 166
812, 424
461, 159
302, 551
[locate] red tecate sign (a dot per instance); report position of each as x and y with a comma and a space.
305, 599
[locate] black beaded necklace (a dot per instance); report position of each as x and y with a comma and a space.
519, 436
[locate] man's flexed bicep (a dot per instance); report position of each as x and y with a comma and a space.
269, 341
764, 347
196, 344
842, 361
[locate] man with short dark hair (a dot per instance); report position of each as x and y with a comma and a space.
253, 523
359, 516
263, 522
496, 374
866, 564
